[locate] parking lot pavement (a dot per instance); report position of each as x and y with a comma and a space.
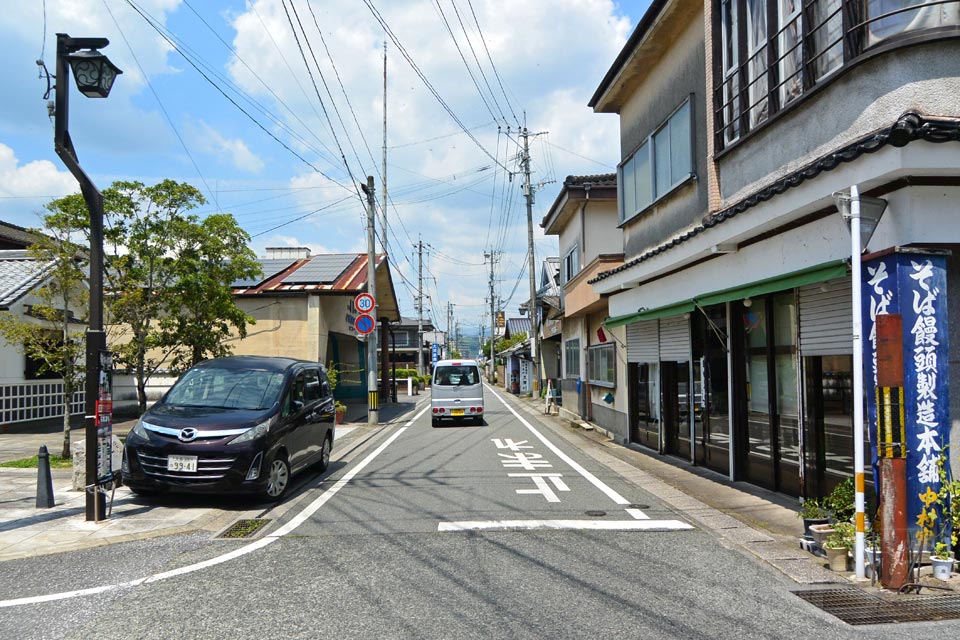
26, 530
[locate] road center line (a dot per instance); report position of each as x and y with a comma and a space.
594, 525
295, 522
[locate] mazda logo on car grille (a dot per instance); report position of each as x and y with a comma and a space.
188, 434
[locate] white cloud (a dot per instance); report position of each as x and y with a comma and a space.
235, 150
37, 178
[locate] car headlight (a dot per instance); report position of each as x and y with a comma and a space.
253, 433
140, 430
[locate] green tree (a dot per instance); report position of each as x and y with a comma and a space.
58, 340
199, 310
167, 275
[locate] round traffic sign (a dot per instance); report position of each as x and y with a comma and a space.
364, 324
364, 303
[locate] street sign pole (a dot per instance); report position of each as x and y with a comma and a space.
373, 399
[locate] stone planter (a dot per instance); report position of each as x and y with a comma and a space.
837, 557
808, 522
820, 532
942, 567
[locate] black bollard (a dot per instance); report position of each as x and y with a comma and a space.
44, 480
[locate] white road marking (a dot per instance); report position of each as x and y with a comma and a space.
595, 481
299, 519
637, 514
594, 525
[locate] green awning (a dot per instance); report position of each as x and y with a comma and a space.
793, 280
675, 309
820, 273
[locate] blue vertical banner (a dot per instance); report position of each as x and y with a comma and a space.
913, 284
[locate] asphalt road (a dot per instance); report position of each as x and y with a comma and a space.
496, 531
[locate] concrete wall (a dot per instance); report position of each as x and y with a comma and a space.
601, 230
867, 97
675, 78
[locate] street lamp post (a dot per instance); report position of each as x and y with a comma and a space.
863, 215
94, 75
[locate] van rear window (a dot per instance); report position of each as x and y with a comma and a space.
456, 375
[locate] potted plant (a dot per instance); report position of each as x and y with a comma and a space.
339, 410
942, 561
842, 501
812, 511
838, 546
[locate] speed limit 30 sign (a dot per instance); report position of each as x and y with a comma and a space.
364, 303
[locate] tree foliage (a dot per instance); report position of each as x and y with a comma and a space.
167, 275
53, 335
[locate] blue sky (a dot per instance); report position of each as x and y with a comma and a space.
279, 169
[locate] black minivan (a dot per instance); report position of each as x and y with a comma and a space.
240, 424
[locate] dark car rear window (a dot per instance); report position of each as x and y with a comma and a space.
456, 375
227, 388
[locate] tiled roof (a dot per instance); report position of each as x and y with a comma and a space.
518, 325
12, 234
19, 273
351, 276
598, 180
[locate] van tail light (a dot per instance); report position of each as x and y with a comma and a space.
473, 409
254, 472
479, 409
435, 410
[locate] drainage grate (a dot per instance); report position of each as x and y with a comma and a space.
856, 607
244, 528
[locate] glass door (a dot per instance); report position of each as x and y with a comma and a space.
712, 435
645, 410
759, 440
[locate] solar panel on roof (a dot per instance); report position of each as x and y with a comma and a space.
321, 269
270, 266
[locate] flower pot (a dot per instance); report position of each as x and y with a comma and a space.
808, 522
837, 557
339, 416
820, 532
942, 567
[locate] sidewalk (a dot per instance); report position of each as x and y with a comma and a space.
27, 531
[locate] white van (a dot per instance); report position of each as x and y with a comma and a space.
456, 392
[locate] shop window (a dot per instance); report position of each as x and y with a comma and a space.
602, 365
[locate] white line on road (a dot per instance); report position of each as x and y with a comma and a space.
595, 481
595, 525
299, 519
639, 515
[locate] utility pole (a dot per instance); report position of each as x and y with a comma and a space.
384, 176
493, 320
419, 306
373, 404
532, 309
451, 344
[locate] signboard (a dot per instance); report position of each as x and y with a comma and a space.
364, 303
501, 319
434, 353
912, 284
104, 418
364, 324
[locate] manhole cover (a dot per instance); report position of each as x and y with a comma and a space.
637, 506
856, 607
596, 514
244, 528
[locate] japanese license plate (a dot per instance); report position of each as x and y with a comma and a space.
186, 464
456, 412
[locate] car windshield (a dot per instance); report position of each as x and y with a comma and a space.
456, 375
249, 389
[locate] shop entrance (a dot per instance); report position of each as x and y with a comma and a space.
767, 389
712, 425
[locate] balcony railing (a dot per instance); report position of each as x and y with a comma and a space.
785, 59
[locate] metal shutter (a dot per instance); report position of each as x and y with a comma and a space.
675, 339
643, 341
826, 318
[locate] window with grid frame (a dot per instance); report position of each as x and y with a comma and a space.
602, 365
663, 161
571, 358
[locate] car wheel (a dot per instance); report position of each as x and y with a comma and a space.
278, 478
324, 462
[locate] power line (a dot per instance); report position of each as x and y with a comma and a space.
492, 65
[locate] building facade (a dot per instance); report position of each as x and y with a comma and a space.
736, 291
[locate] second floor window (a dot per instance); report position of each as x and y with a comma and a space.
660, 163
571, 264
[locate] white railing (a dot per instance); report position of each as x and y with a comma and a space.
35, 400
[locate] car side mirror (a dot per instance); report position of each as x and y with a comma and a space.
296, 405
